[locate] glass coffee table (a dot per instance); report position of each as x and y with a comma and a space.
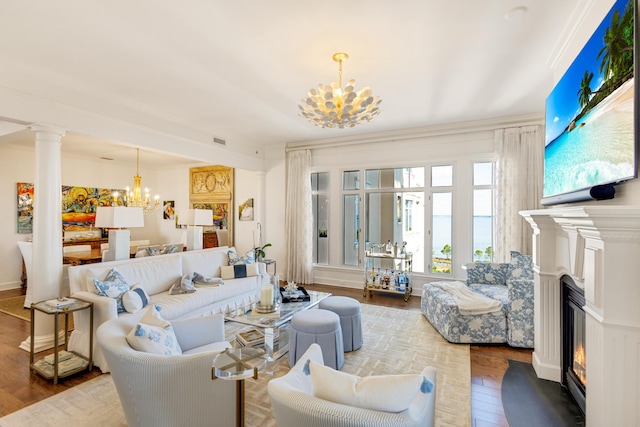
275, 326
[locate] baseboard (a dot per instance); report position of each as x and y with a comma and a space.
10, 285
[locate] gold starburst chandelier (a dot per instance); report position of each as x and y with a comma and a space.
134, 198
333, 107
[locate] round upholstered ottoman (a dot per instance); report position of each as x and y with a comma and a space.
350, 319
317, 326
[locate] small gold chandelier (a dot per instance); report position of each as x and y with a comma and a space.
133, 198
332, 107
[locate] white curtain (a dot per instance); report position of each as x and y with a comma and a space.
298, 217
519, 181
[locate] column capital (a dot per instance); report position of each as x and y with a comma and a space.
40, 128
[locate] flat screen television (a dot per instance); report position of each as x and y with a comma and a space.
591, 142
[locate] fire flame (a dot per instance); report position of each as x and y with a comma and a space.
579, 364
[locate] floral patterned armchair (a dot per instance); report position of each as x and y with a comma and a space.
510, 283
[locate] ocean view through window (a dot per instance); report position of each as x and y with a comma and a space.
442, 214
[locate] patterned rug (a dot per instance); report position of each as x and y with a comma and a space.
395, 341
14, 306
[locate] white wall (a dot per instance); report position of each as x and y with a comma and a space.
17, 165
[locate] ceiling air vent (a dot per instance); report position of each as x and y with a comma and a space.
219, 141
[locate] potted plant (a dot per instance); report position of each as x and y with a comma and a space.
259, 251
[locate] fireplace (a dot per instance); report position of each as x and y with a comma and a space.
573, 332
598, 247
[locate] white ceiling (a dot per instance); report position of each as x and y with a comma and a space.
237, 70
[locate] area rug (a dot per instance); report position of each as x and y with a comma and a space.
14, 306
529, 401
395, 341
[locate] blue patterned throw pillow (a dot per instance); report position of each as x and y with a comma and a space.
113, 286
154, 339
233, 258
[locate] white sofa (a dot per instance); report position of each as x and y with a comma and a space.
157, 390
156, 274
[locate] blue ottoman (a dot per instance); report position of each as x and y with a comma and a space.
350, 319
316, 326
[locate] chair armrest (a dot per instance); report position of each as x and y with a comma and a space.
199, 331
520, 315
488, 273
104, 308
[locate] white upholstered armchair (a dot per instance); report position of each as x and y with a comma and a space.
157, 390
294, 404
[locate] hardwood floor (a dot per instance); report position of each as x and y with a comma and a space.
20, 388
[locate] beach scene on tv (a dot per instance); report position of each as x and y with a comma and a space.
589, 136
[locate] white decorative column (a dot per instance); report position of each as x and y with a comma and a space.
47, 231
599, 247
547, 340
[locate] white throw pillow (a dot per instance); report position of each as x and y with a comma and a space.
388, 393
237, 271
153, 317
153, 334
154, 339
135, 299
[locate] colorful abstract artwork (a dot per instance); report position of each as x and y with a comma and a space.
220, 213
79, 205
25, 208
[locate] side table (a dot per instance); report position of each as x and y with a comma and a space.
238, 364
74, 362
269, 262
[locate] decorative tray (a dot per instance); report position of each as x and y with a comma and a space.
298, 296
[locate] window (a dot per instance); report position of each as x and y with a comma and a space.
441, 218
422, 206
320, 206
483, 211
351, 215
394, 210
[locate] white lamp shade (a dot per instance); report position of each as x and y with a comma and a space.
195, 217
119, 217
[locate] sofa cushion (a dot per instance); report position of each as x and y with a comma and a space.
237, 271
388, 393
154, 274
113, 286
206, 262
175, 306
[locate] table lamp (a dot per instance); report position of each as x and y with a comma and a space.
194, 219
115, 218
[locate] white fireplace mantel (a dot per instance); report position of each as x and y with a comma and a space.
599, 247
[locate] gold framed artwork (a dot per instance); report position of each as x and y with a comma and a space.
211, 187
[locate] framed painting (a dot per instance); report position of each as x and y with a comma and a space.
169, 209
25, 208
211, 187
245, 211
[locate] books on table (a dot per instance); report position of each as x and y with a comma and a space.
60, 302
251, 337
62, 356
